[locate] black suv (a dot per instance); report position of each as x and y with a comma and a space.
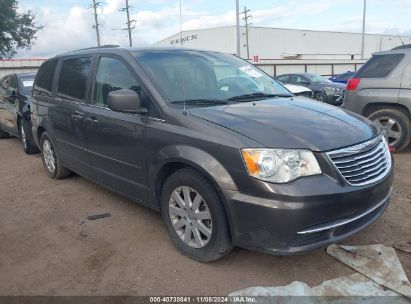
227, 165
15, 94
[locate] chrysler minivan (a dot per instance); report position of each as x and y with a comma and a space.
225, 163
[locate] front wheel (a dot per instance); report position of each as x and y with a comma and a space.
320, 96
28, 145
395, 126
51, 161
194, 216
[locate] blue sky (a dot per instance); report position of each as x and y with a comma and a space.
67, 24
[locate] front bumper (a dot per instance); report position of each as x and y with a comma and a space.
287, 224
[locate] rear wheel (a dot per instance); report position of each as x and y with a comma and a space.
28, 145
395, 126
194, 216
51, 160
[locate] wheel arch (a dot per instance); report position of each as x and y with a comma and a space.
376, 106
172, 159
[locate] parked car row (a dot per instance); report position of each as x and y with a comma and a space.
226, 153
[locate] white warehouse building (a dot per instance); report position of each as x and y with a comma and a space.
278, 50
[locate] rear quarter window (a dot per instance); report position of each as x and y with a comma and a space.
44, 78
379, 66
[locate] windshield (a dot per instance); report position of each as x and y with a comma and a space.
318, 78
26, 84
207, 76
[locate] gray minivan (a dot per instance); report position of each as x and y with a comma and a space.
226, 164
381, 91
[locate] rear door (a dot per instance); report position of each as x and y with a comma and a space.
68, 114
4, 83
116, 140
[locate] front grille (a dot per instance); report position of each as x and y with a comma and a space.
316, 237
363, 164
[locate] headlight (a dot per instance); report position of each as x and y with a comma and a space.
280, 165
329, 90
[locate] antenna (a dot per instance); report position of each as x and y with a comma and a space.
181, 30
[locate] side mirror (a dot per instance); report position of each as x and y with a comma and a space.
126, 101
304, 83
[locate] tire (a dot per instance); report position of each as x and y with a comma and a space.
26, 139
320, 96
3, 134
51, 160
396, 127
200, 248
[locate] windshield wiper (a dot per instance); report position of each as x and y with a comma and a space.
201, 101
253, 96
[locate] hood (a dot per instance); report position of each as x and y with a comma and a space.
291, 123
295, 89
333, 85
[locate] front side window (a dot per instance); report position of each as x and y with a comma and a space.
112, 75
73, 78
379, 66
206, 76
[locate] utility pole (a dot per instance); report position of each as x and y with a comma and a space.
247, 24
363, 30
129, 23
96, 24
237, 14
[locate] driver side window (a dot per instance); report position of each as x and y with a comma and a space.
112, 75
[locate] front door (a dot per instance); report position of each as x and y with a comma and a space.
68, 114
8, 99
116, 140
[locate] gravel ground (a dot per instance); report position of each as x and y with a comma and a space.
47, 247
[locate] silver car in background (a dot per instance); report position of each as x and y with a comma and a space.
381, 91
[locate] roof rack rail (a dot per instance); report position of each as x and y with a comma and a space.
401, 47
97, 47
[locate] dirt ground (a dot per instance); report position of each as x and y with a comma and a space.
47, 247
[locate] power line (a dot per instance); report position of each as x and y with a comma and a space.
96, 24
130, 23
247, 24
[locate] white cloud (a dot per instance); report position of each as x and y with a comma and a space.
64, 31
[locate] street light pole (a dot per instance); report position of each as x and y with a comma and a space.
363, 30
238, 27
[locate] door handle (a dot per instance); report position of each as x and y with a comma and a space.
77, 115
92, 120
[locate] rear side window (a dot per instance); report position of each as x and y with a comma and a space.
379, 66
44, 77
73, 78
283, 78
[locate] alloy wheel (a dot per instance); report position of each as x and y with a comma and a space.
391, 129
190, 217
23, 136
48, 155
